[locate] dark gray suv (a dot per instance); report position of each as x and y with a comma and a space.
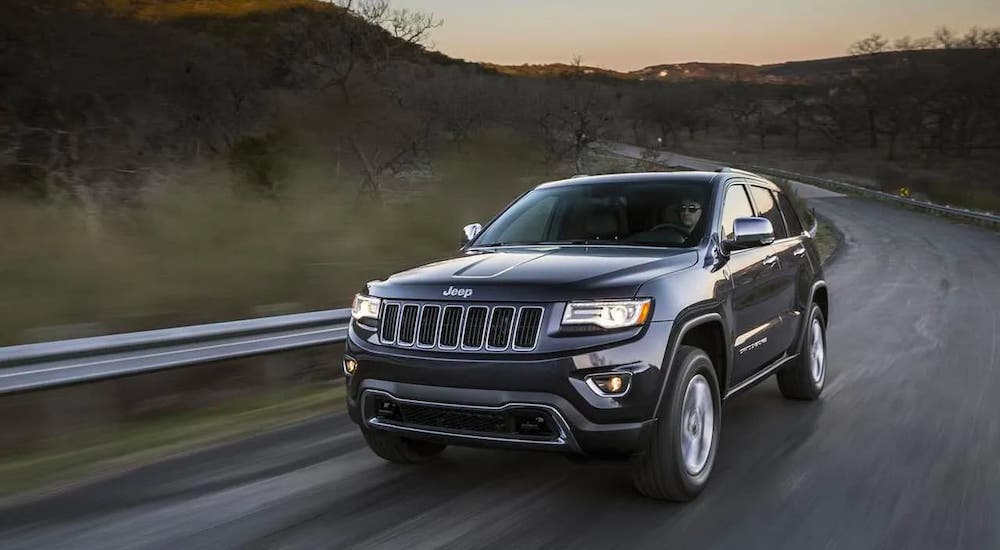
606, 316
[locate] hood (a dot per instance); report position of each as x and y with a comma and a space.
536, 274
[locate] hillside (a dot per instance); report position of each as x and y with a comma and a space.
122, 91
101, 98
789, 72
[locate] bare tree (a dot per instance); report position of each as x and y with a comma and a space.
945, 38
577, 116
870, 45
353, 54
906, 43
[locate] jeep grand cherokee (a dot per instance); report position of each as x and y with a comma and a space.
607, 316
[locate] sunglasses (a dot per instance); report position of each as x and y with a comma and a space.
689, 208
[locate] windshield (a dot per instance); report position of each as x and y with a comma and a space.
664, 213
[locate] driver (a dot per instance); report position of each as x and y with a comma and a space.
689, 212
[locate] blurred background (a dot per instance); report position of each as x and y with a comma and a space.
176, 162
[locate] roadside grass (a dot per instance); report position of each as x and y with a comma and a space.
828, 239
80, 455
204, 248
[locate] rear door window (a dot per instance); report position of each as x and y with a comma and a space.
767, 208
789, 213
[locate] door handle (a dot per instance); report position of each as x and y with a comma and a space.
799, 251
770, 260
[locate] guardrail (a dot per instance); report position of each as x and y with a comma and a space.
964, 214
52, 364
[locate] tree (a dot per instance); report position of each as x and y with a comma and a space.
868, 46
353, 53
741, 103
576, 116
945, 38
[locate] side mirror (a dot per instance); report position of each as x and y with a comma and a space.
471, 231
750, 233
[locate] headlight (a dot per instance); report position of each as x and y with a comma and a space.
365, 307
608, 315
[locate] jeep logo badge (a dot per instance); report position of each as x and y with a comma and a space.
460, 292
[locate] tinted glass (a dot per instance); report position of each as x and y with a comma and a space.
662, 213
791, 217
529, 222
737, 205
767, 208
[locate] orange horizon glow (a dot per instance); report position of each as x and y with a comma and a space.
634, 34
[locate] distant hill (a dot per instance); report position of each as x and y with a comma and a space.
697, 71
789, 72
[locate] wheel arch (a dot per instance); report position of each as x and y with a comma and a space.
821, 297
707, 331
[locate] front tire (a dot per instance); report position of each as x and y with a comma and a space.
805, 377
401, 450
680, 453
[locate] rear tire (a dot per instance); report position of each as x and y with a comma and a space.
804, 378
678, 458
401, 450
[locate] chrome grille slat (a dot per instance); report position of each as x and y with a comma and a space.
528, 325
474, 333
451, 327
408, 324
428, 325
460, 327
390, 323
498, 335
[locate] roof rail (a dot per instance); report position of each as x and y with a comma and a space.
735, 170
579, 176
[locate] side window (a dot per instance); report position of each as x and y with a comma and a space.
767, 208
790, 214
737, 205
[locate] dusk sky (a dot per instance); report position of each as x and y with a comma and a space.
631, 34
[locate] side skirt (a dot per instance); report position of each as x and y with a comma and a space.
759, 376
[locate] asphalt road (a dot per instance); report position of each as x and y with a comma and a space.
902, 451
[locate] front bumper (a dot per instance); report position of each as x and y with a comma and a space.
497, 389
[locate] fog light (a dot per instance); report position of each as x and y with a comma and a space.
610, 385
350, 366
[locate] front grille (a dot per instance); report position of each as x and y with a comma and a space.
461, 327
